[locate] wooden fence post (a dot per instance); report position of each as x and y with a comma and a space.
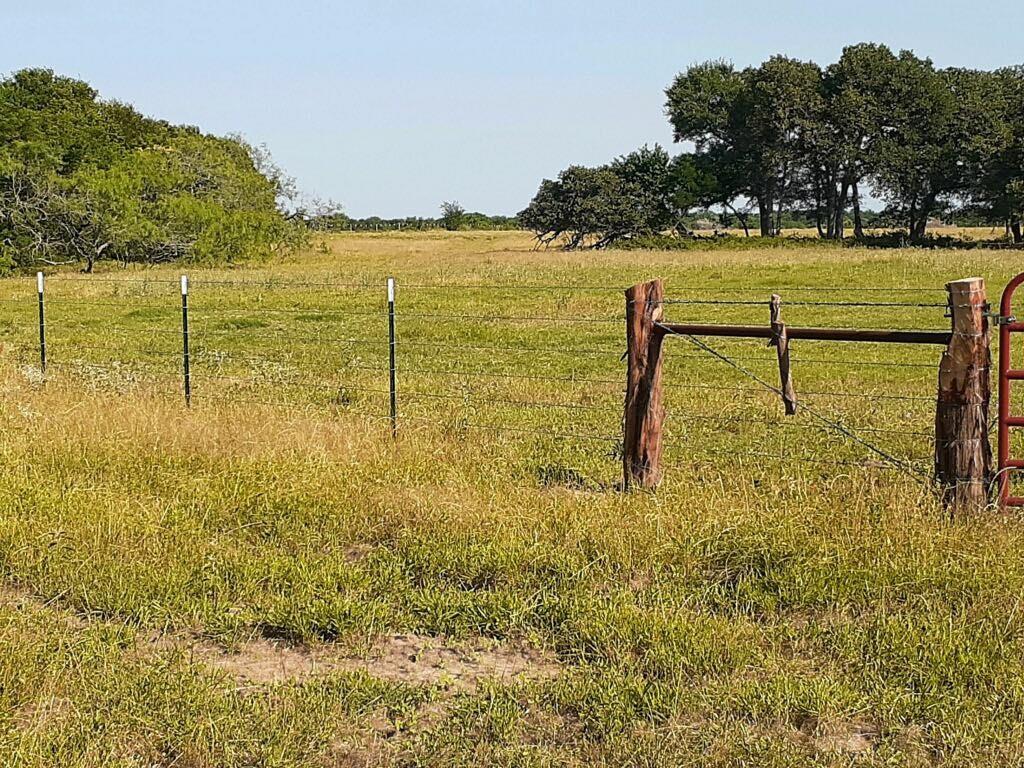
780, 340
963, 456
643, 413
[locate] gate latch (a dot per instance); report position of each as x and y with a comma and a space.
998, 319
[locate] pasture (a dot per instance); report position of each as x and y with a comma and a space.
268, 578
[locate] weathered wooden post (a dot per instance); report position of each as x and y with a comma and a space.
963, 456
780, 340
644, 412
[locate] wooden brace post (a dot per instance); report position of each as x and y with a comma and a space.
780, 341
963, 456
644, 412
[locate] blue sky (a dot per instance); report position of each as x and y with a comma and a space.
392, 107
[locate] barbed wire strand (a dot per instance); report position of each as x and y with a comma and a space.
784, 457
309, 384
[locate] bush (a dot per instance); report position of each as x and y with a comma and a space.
723, 241
83, 179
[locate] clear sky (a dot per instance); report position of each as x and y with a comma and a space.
392, 107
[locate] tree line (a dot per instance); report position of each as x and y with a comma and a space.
82, 179
790, 136
453, 218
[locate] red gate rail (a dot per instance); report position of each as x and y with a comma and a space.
1008, 325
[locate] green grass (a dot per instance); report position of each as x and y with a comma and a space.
754, 611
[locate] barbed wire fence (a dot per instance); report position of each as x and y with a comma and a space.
542, 362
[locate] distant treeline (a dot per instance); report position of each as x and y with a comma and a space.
339, 222
788, 136
83, 179
695, 221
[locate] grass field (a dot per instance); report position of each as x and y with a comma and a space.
267, 578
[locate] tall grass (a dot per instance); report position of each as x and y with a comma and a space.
751, 612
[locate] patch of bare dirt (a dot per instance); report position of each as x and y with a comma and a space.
41, 714
353, 748
846, 738
21, 598
407, 658
356, 553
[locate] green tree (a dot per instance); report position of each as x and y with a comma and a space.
786, 134
585, 206
996, 158
709, 104
840, 145
752, 126
651, 180
196, 198
452, 215
786, 105
916, 147
644, 192
83, 179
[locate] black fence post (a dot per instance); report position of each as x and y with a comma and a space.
42, 323
392, 378
186, 369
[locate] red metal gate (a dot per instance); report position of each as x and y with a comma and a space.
1008, 325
